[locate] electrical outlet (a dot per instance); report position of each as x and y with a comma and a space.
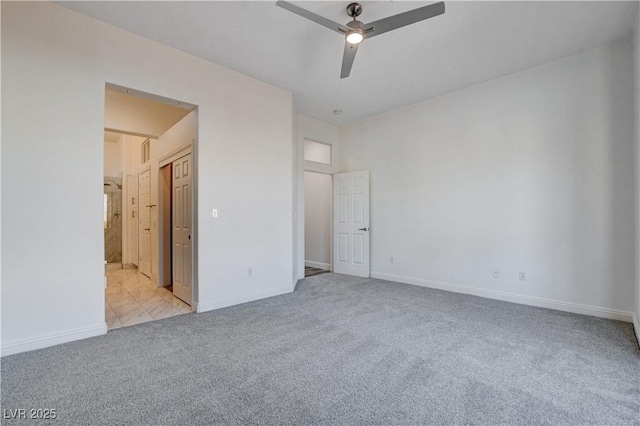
522, 276
249, 272
214, 213
392, 259
495, 273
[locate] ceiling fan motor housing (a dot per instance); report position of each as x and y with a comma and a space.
354, 10
356, 25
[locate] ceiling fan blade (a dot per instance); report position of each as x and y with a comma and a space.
381, 26
328, 23
350, 51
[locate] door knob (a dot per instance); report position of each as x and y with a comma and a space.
362, 229
147, 229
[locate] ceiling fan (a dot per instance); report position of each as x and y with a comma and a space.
355, 31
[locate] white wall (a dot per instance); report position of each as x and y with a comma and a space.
296, 188
114, 157
319, 131
318, 213
55, 64
532, 172
132, 153
636, 56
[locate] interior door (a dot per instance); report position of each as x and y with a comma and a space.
351, 223
144, 213
132, 215
181, 236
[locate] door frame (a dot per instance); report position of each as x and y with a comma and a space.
145, 168
314, 133
186, 148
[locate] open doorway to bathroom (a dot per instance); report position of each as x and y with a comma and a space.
120, 210
143, 133
112, 206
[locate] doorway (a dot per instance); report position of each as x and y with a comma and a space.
113, 221
147, 129
318, 200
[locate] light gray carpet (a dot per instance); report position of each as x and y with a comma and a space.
342, 350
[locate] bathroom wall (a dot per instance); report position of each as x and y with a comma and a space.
114, 157
113, 219
113, 169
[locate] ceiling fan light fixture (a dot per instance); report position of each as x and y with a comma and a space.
355, 37
354, 31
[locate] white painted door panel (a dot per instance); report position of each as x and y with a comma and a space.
133, 217
181, 225
351, 223
144, 227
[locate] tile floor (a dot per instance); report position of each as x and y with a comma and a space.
311, 271
132, 298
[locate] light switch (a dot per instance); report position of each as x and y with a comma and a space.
214, 213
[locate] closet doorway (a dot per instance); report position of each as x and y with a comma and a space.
318, 214
176, 226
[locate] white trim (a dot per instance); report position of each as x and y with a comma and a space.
52, 339
320, 265
636, 327
244, 298
150, 96
575, 308
176, 154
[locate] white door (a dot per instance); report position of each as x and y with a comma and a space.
181, 237
351, 223
144, 213
132, 215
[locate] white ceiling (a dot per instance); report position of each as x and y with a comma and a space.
131, 112
471, 43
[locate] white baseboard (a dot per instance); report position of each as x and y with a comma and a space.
636, 327
319, 265
44, 341
510, 297
243, 298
